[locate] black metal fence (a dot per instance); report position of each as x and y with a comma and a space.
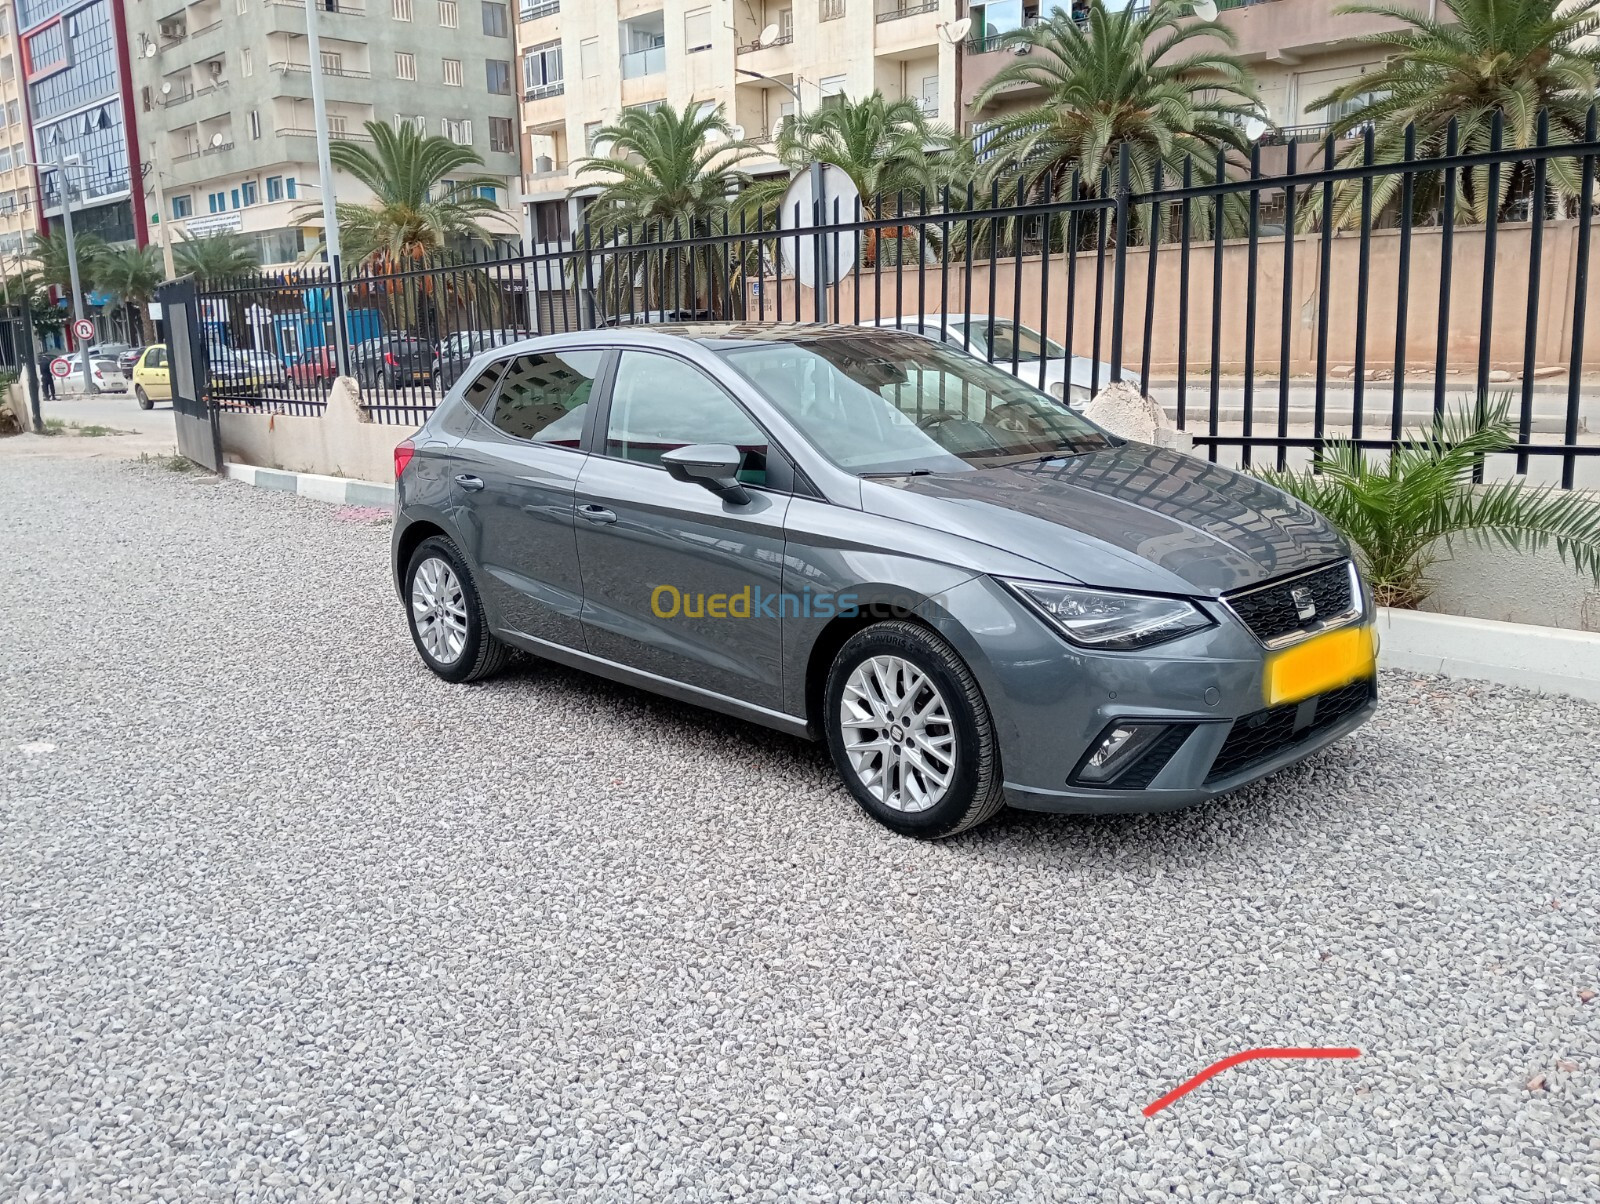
1271, 304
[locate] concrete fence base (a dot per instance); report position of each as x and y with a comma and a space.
343, 442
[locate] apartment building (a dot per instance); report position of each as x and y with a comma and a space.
72, 64
18, 209
1298, 51
225, 112
584, 61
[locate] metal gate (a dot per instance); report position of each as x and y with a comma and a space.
194, 412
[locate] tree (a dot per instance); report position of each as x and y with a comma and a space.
889, 150
215, 258
49, 251
131, 275
1150, 79
421, 202
1402, 511
678, 176
1514, 59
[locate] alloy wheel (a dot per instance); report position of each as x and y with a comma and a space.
439, 610
897, 733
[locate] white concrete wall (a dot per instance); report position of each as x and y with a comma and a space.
1494, 583
343, 443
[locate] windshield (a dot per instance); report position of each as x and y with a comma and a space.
1008, 336
888, 406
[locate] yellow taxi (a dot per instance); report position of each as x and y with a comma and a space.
151, 379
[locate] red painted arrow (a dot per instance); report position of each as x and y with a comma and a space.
1249, 1055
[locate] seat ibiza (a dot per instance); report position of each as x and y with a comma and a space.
974, 595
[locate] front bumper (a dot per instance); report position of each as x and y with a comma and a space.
1051, 702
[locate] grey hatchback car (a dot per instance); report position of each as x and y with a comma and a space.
974, 595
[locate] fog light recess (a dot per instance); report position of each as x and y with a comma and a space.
1124, 745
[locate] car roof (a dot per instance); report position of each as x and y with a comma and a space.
715, 335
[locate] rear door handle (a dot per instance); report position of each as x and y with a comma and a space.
467, 481
598, 514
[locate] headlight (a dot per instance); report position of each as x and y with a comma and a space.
1100, 619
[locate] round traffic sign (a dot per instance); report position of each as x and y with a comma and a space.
60, 367
83, 329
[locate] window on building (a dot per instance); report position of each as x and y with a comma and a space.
247, 64
832, 89
405, 65
542, 69
697, 30
182, 206
452, 72
5, 158
338, 124
459, 132
528, 10
217, 202
400, 10
591, 135
5, 22
13, 113
234, 197
496, 19
250, 192
449, 17
497, 76
832, 10
550, 221
589, 58
8, 68
5, 120
255, 123
289, 188
488, 192
502, 134
274, 188
241, 6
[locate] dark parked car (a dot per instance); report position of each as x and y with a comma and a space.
394, 360
974, 595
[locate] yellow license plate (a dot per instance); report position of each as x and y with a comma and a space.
1322, 663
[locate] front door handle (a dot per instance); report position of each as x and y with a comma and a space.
598, 514
468, 481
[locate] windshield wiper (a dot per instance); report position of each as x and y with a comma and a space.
904, 472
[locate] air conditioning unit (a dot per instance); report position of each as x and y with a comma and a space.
542, 164
172, 30
1024, 48
216, 69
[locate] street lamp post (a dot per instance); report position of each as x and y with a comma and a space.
330, 212
819, 198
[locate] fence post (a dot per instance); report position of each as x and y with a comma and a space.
1119, 266
32, 362
341, 336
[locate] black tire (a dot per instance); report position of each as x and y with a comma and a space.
482, 654
974, 793
143, 398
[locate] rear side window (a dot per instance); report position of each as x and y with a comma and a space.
543, 397
480, 389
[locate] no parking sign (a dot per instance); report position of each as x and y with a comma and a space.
60, 367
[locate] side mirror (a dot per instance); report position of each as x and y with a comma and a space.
714, 465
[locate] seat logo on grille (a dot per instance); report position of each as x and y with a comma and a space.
1304, 603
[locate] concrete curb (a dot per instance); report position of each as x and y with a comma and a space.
1549, 659
338, 490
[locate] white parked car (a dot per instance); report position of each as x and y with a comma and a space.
108, 378
1074, 385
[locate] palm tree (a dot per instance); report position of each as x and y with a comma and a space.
421, 203
216, 258
1152, 79
131, 275
49, 251
678, 177
1511, 59
1400, 513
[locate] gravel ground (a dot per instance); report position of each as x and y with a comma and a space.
285, 918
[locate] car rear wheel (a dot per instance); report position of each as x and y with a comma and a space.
143, 398
445, 616
910, 732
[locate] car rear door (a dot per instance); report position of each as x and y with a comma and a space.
677, 581
513, 475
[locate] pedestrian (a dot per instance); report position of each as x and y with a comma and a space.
47, 378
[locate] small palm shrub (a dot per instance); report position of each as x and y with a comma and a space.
1400, 513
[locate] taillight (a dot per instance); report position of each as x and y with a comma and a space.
402, 456
388, 358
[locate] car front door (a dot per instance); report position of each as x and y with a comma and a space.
156, 378
513, 477
678, 581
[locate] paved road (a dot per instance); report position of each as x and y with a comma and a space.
284, 918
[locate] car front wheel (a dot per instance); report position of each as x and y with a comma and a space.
445, 616
910, 732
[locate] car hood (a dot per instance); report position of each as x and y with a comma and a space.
1129, 516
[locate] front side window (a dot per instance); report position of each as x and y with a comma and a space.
891, 404
1024, 340
659, 404
543, 397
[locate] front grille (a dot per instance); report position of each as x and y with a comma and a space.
1263, 735
1271, 613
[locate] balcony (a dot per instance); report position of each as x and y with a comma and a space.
327, 6
337, 135
639, 63
341, 72
532, 10
545, 91
898, 10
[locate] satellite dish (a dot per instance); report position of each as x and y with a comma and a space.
216, 139
736, 132
1254, 127
1206, 10
166, 88
149, 50
797, 212
953, 31
767, 35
